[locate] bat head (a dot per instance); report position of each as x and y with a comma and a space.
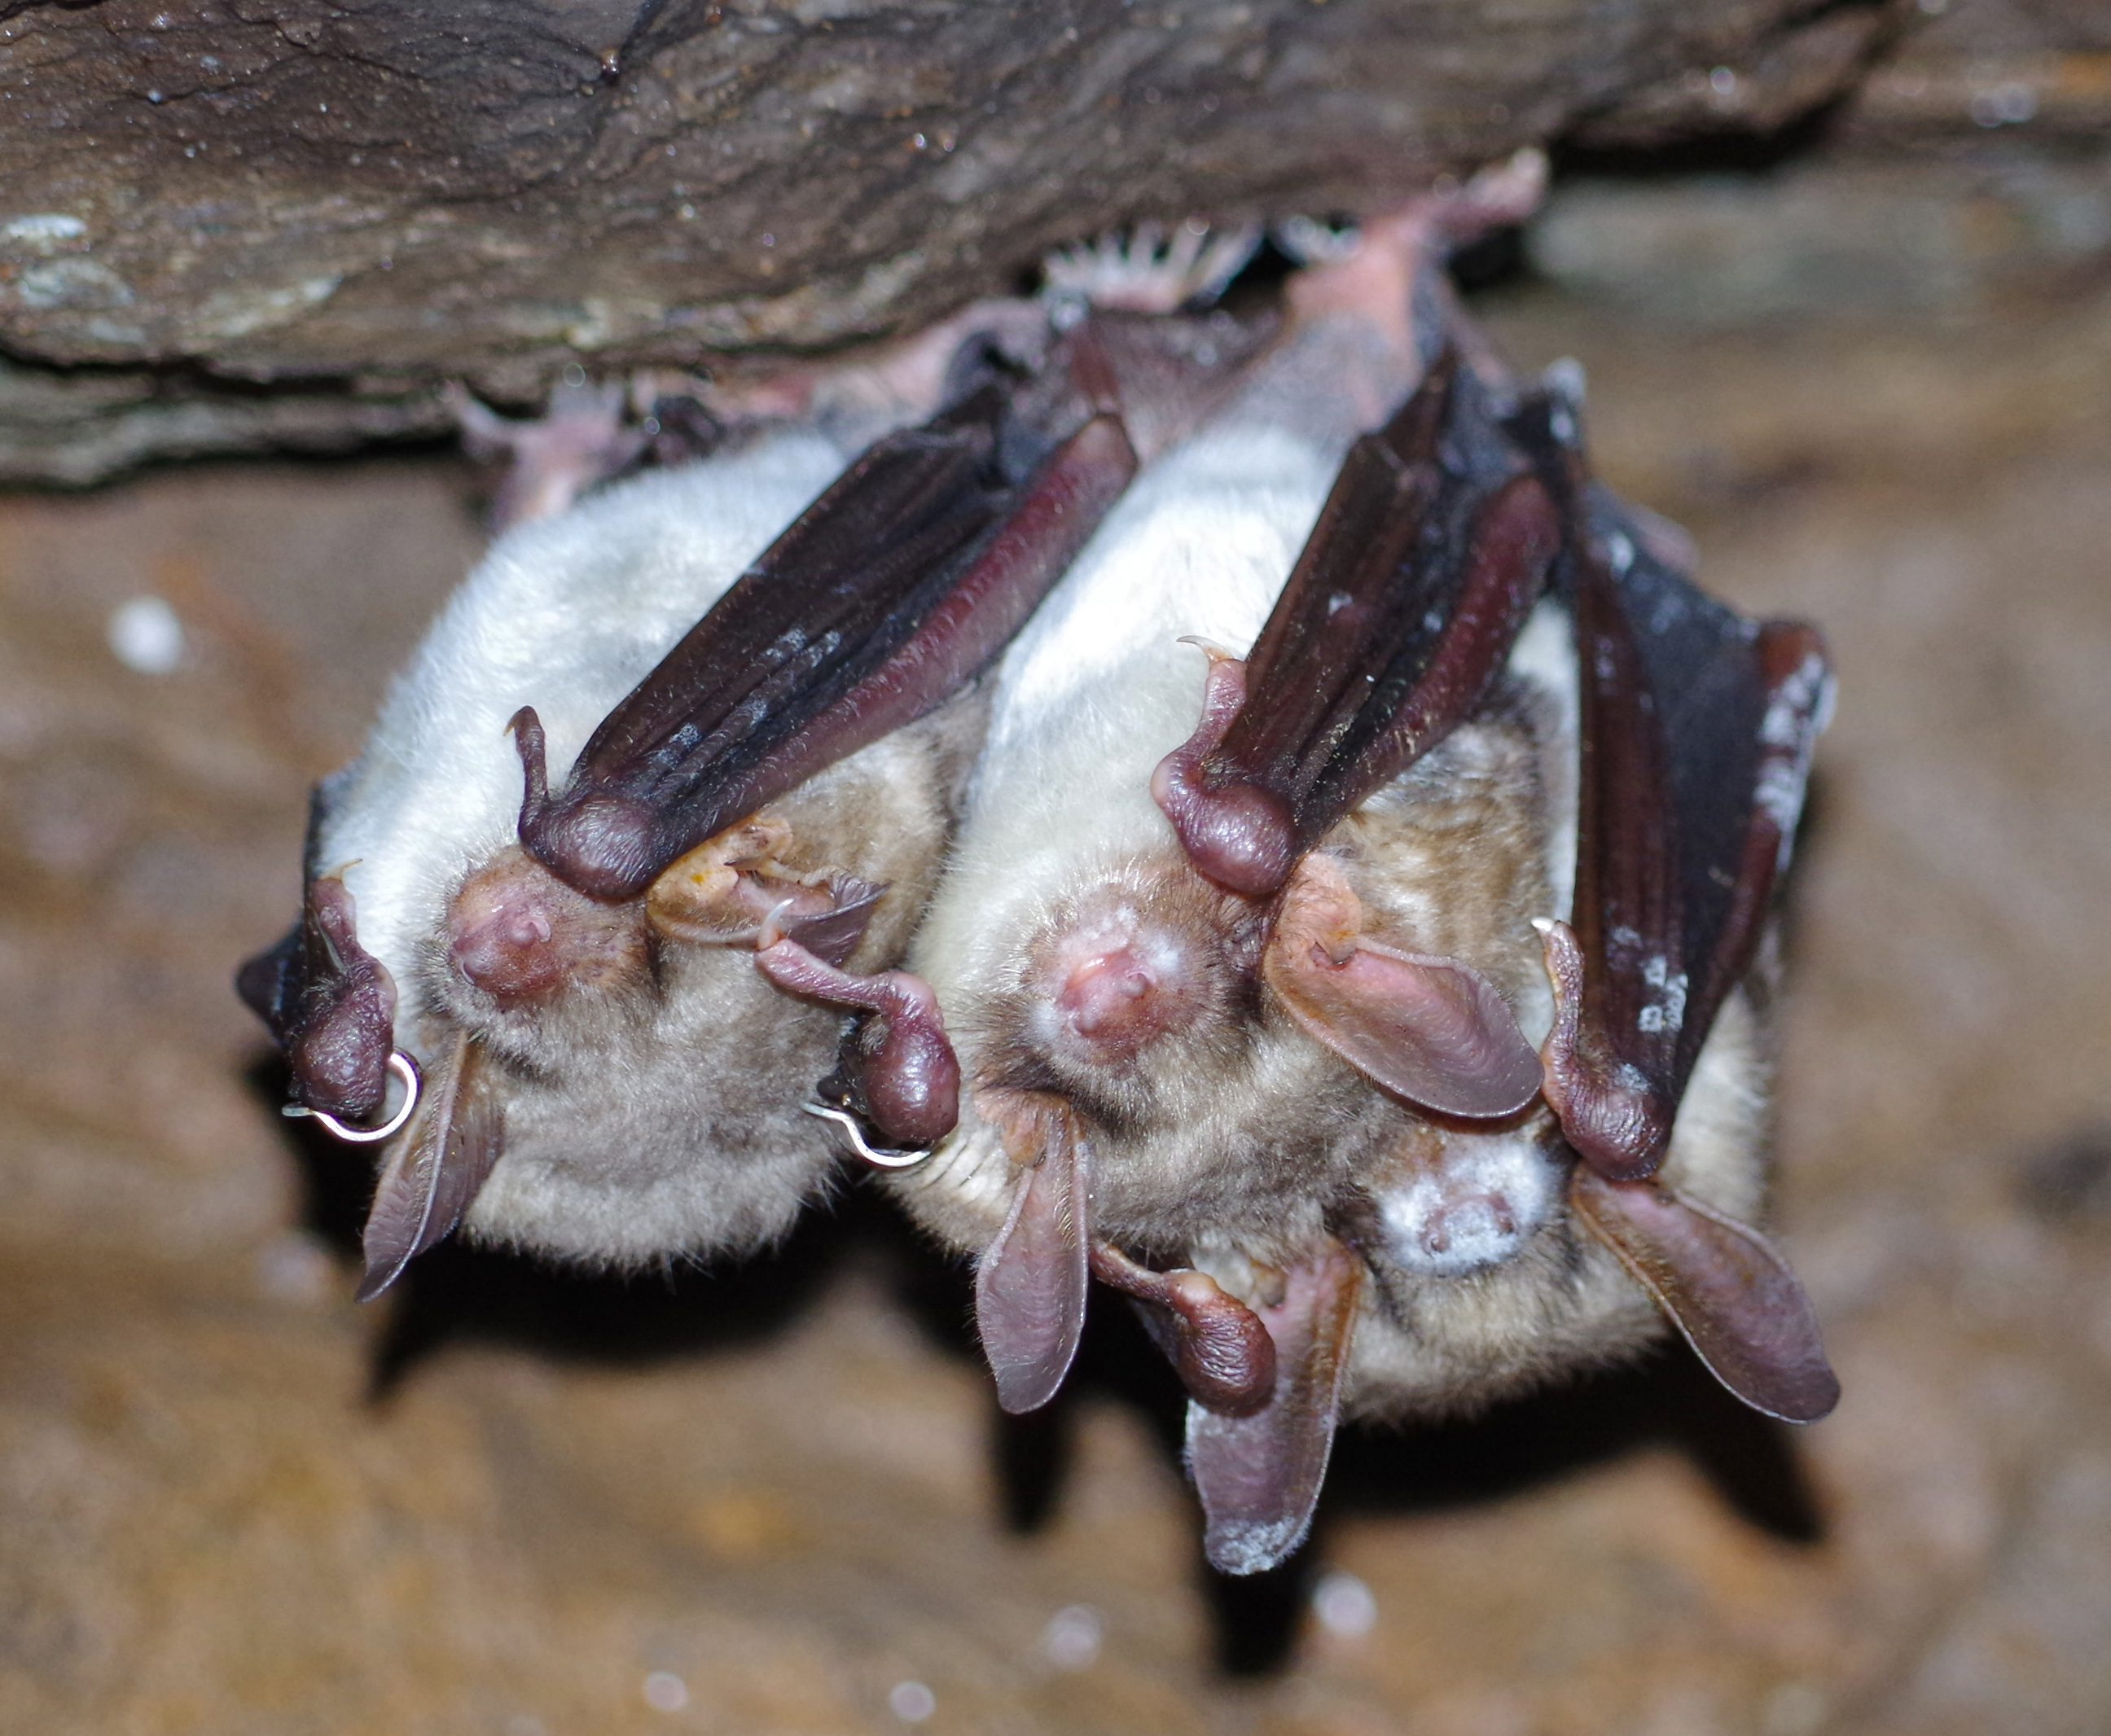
1131, 987
1450, 1202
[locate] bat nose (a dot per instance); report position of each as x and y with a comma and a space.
1118, 984
506, 951
523, 936
1105, 997
1475, 1206
1479, 1230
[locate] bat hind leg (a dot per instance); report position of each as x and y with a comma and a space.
580, 440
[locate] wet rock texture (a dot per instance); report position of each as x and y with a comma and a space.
403, 190
775, 1499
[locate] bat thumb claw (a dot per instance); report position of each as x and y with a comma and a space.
1233, 830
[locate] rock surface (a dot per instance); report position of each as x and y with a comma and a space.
775, 1500
277, 191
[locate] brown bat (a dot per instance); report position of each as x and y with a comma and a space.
566, 976
760, 669
1386, 1038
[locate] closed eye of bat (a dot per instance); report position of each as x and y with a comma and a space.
607, 1075
1277, 1057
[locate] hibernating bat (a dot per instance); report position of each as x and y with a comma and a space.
1394, 1039
572, 970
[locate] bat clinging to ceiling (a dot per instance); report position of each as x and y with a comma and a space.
607, 1075
1389, 1038
1378, 1035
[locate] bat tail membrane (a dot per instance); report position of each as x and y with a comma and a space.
1259, 1474
1697, 726
894, 588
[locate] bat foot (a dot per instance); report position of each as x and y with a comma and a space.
1371, 272
580, 440
1148, 270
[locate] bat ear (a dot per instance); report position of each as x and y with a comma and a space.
1432, 1029
1030, 1286
1723, 1285
434, 1169
1258, 1475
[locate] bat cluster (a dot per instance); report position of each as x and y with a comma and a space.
1227, 807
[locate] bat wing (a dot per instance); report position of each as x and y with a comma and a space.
1430, 551
890, 592
1433, 546
1697, 728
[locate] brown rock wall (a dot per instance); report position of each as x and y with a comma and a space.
476, 188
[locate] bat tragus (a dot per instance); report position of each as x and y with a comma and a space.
1279, 1029
1393, 1040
